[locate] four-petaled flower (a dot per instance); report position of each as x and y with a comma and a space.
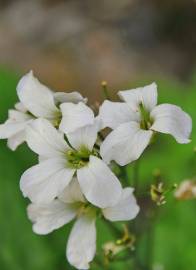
37, 100
60, 160
135, 120
71, 204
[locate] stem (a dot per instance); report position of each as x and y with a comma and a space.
136, 176
147, 261
151, 241
133, 226
150, 248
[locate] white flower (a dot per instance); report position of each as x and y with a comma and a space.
36, 100
60, 160
14, 128
81, 246
136, 120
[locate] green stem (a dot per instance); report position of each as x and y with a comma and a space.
136, 176
133, 226
150, 249
151, 241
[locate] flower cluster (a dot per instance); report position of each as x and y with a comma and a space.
73, 178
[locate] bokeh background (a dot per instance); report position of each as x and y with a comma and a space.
74, 45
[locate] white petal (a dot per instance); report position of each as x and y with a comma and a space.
10, 128
75, 116
16, 140
81, 246
85, 136
45, 140
146, 95
72, 193
45, 181
20, 107
113, 114
36, 97
99, 123
18, 116
73, 97
14, 128
49, 217
41, 158
171, 119
125, 144
99, 184
125, 209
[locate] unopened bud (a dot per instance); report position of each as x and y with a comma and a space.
157, 194
104, 83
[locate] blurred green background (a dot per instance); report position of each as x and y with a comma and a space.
74, 45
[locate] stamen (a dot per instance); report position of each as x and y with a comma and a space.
79, 158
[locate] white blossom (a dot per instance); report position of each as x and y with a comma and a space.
14, 128
36, 100
71, 204
135, 120
61, 160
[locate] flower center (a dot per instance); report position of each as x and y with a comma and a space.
88, 209
79, 158
146, 121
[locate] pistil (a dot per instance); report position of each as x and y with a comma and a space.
79, 158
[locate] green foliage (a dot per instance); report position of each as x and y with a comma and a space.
175, 239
